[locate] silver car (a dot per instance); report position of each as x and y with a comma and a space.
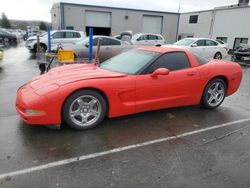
109, 47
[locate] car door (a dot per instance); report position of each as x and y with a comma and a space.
199, 47
72, 37
142, 40
175, 89
57, 38
211, 48
153, 40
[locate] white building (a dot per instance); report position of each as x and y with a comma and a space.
107, 20
230, 24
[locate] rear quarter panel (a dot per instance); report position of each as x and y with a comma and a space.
232, 72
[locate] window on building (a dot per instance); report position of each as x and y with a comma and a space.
70, 27
193, 19
223, 39
238, 41
172, 61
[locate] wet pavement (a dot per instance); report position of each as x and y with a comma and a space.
214, 158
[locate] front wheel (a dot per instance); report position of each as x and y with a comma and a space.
84, 109
214, 94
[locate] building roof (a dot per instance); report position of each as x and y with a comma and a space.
237, 6
118, 8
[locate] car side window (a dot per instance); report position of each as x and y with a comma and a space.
201, 43
72, 35
105, 42
143, 37
153, 37
58, 35
114, 42
95, 42
159, 38
211, 43
172, 61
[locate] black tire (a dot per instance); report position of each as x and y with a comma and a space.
209, 93
43, 48
218, 56
84, 111
6, 40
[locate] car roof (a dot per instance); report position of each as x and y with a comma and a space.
147, 34
199, 38
162, 49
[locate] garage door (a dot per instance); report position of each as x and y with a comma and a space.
152, 24
98, 19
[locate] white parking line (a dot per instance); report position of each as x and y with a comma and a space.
116, 150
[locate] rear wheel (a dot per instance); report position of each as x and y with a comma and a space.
214, 93
218, 55
43, 48
84, 109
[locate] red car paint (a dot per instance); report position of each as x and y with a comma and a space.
126, 94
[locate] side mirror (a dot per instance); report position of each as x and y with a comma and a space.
160, 71
194, 45
139, 39
86, 45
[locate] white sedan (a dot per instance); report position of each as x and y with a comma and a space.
204, 47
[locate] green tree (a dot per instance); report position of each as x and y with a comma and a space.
5, 23
43, 26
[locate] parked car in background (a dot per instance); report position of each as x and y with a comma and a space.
57, 37
242, 52
223, 44
7, 37
110, 47
205, 47
147, 39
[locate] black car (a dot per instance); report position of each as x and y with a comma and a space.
7, 38
242, 52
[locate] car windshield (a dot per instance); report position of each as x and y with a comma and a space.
129, 62
184, 42
134, 37
43, 34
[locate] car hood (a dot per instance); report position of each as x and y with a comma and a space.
71, 73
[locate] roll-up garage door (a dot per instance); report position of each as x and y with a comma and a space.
98, 19
152, 24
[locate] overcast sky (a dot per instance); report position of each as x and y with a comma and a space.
40, 9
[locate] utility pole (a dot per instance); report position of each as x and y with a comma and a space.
178, 21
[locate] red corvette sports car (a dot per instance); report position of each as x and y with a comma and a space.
142, 79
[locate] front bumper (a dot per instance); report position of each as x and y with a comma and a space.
27, 99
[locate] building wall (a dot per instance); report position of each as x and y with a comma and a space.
232, 23
200, 29
55, 16
74, 15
